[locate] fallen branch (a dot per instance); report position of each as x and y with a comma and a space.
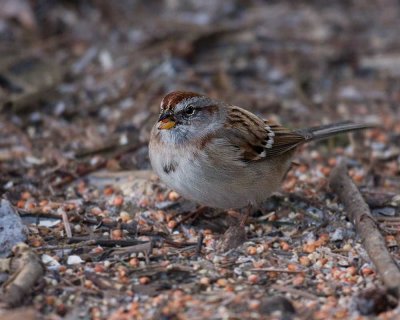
26, 269
105, 242
278, 270
20, 313
293, 291
367, 228
67, 226
145, 248
111, 149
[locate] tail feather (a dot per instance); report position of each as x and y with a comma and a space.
326, 131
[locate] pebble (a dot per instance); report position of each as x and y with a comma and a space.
144, 280
304, 261
74, 259
298, 280
125, 216
253, 278
222, 282
337, 235
118, 201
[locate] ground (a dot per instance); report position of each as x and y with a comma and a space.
80, 88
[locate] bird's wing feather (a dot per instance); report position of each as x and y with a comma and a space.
256, 139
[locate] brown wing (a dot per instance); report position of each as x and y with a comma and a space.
258, 139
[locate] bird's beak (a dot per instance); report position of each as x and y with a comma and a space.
166, 121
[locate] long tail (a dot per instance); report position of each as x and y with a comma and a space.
326, 131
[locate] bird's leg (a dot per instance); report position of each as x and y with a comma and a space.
235, 235
192, 215
245, 215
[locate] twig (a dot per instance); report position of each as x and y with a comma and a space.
175, 244
63, 246
276, 270
111, 147
131, 227
105, 242
38, 213
391, 220
294, 291
358, 212
67, 226
328, 252
146, 248
199, 244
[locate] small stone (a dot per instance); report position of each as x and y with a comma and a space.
88, 284
74, 260
77, 228
343, 263
144, 280
125, 216
347, 247
12, 230
222, 282
292, 267
253, 278
298, 280
304, 261
337, 235
172, 224
26, 195
108, 191
173, 196
367, 271
284, 246
309, 247
99, 268
260, 249
116, 234
205, 281
351, 271
118, 201
254, 304
97, 250
134, 262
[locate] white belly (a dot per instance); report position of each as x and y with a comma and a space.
224, 186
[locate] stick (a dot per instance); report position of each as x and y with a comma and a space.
67, 226
146, 248
105, 242
359, 214
26, 269
278, 270
294, 291
199, 244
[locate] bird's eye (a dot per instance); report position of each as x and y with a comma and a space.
189, 110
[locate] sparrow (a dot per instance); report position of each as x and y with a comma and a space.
224, 156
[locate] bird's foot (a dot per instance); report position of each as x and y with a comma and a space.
192, 216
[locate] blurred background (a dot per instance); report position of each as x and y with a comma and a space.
81, 81
80, 88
